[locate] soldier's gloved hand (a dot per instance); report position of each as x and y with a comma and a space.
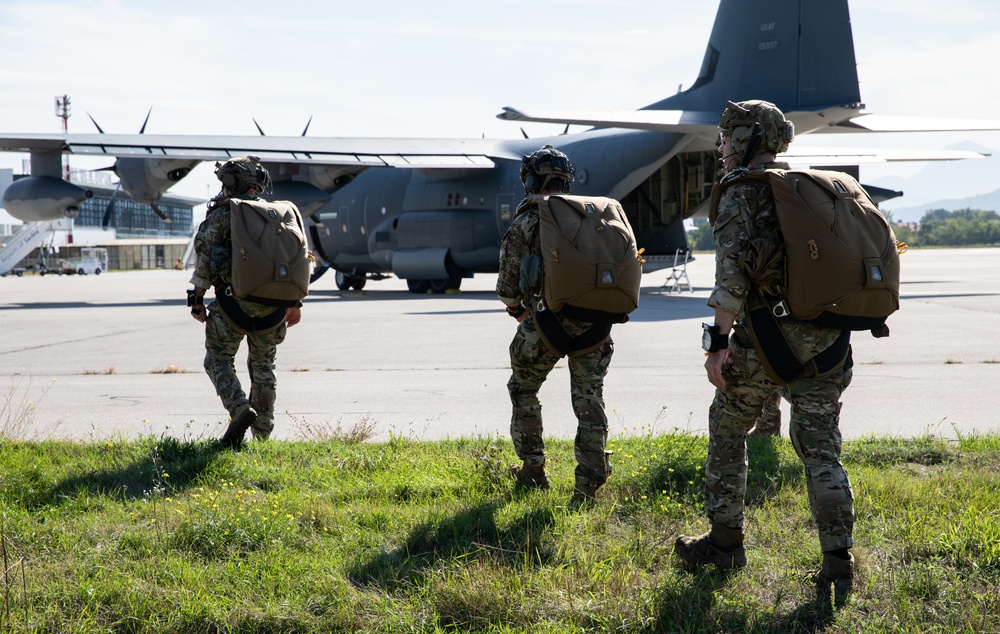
198, 312
517, 312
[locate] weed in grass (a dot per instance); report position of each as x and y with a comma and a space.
493, 468
16, 409
108, 370
13, 568
952, 362
362, 430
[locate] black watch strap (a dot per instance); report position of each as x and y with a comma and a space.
719, 342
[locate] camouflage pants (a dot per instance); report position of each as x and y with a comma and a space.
815, 436
221, 345
530, 362
769, 421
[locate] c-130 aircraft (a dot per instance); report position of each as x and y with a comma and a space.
432, 211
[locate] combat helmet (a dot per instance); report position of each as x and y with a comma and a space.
241, 173
544, 164
747, 119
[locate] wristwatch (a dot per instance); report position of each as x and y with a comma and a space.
712, 340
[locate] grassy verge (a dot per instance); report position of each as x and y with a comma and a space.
159, 535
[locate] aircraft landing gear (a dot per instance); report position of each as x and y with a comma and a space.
418, 286
435, 286
346, 281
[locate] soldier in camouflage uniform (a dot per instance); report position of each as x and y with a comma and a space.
752, 132
519, 285
245, 178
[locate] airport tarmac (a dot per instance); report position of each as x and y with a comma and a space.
118, 356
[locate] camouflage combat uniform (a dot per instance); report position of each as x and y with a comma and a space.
815, 406
531, 361
213, 247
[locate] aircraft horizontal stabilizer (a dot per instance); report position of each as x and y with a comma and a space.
889, 123
798, 155
682, 121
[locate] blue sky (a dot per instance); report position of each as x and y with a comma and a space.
441, 68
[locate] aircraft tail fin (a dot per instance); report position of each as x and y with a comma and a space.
757, 45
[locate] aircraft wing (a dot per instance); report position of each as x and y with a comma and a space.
359, 152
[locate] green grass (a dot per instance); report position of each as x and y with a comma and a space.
161, 535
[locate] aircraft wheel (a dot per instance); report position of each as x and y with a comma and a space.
343, 281
358, 282
453, 281
418, 286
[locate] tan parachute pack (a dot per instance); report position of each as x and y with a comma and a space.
591, 266
270, 263
840, 255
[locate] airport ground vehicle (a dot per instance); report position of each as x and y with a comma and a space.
92, 260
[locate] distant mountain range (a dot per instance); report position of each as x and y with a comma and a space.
934, 186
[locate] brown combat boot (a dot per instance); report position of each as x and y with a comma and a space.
584, 494
530, 477
721, 546
838, 573
238, 426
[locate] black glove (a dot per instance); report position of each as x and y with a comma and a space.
517, 312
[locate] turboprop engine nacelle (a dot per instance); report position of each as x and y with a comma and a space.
145, 180
44, 198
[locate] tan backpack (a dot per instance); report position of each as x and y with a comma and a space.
840, 257
271, 257
591, 266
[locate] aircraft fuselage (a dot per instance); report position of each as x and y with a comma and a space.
441, 225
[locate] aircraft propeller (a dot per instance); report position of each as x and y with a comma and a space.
114, 168
261, 130
111, 205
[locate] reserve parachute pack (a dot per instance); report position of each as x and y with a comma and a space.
591, 266
271, 259
841, 262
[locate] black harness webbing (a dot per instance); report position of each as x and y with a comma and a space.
592, 315
555, 337
243, 322
779, 359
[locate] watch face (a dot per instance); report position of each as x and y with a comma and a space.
706, 340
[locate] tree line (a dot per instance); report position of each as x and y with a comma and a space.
938, 227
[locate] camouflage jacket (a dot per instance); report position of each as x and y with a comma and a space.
752, 202
520, 278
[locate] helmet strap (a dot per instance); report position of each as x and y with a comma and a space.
756, 136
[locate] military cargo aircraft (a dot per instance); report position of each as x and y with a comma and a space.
433, 211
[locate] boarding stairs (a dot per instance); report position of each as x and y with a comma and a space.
23, 242
678, 273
